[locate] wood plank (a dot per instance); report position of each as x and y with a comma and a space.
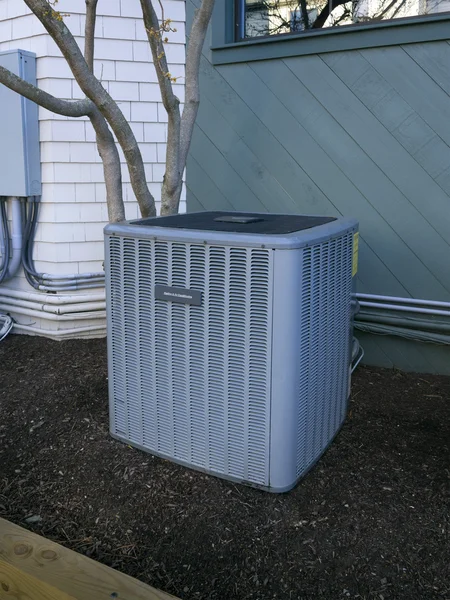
408, 127
392, 110
444, 180
192, 202
434, 59
348, 61
265, 146
260, 180
413, 133
388, 153
388, 345
434, 156
408, 355
415, 86
439, 357
34, 568
371, 87
14, 583
385, 214
309, 198
230, 184
394, 204
204, 188
373, 354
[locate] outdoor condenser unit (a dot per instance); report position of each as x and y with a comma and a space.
229, 340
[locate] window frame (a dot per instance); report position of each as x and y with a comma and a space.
408, 30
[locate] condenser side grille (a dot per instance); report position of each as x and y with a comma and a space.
193, 382
324, 349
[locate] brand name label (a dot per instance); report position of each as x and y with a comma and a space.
180, 295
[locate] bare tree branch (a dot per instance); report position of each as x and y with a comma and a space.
161, 5
305, 16
325, 13
171, 188
68, 108
105, 113
89, 33
105, 141
97, 93
193, 54
111, 167
379, 16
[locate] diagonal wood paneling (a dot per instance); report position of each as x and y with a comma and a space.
361, 133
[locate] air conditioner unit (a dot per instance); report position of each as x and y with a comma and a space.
229, 340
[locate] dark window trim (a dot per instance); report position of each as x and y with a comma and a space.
409, 30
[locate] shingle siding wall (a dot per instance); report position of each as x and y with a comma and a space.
73, 210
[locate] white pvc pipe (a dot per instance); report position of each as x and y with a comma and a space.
16, 238
373, 297
74, 281
52, 317
413, 309
75, 308
52, 298
56, 310
70, 288
62, 334
70, 276
6, 324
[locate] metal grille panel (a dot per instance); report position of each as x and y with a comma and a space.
192, 382
324, 350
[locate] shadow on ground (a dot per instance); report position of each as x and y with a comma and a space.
370, 521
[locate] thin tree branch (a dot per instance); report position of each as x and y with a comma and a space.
171, 103
97, 93
68, 108
106, 146
89, 33
379, 16
193, 54
162, 10
325, 13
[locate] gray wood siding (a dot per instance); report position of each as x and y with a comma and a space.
359, 133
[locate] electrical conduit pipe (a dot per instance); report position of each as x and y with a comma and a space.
51, 308
397, 300
37, 314
52, 298
62, 333
16, 239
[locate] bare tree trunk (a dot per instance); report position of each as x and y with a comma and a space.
100, 97
106, 145
193, 56
179, 129
105, 113
173, 174
170, 198
111, 167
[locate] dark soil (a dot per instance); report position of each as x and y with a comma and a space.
371, 520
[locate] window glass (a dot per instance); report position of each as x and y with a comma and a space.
272, 17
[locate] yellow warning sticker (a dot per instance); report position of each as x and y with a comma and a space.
355, 254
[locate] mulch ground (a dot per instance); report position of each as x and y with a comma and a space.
371, 520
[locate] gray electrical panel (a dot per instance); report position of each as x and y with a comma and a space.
20, 169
